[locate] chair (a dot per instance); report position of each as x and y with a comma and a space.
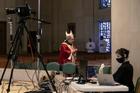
107, 70
53, 66
137, 88
69, 68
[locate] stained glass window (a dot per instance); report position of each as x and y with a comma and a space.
105, 31
105, 3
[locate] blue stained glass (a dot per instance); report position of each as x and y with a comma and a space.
105, 31
105, 3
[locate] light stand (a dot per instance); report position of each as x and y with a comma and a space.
38, 41
11, 37
39, 33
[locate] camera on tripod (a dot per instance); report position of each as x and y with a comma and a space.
22, 11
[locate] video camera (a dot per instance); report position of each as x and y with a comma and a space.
22, 11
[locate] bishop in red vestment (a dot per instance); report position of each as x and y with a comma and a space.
67, 51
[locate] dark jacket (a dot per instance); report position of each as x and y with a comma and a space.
124, 76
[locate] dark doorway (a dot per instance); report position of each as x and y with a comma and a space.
3, 37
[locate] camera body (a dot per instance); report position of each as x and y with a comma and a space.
22, 11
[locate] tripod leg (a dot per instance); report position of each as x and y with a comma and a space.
10, 53
14, 57
41, 59
11, 75
4, 71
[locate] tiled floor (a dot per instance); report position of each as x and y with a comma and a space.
16, 87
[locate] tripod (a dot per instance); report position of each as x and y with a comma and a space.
13, 52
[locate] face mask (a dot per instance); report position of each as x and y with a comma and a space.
120, 60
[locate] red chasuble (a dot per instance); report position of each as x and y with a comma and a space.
65, 53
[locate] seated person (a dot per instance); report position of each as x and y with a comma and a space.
124, 74
90, 46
